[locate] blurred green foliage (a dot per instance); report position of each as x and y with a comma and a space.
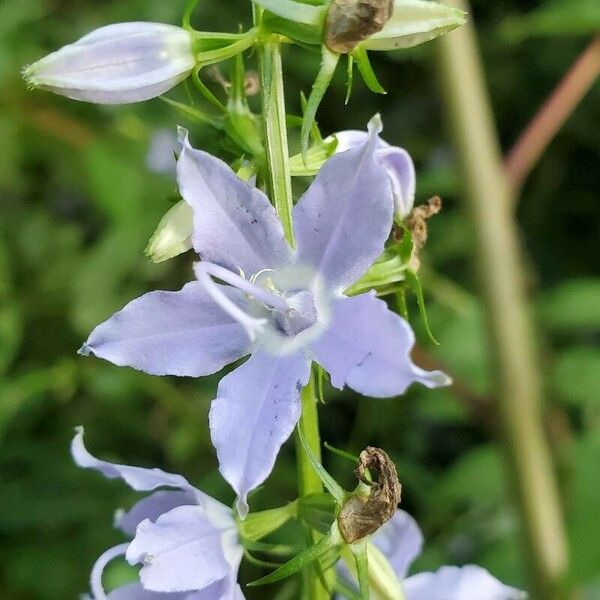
78, 203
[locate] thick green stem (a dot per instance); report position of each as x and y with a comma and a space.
280, 184
501, 263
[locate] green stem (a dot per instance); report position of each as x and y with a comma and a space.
501, 263
280, 184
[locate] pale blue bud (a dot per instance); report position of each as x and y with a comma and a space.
117, 64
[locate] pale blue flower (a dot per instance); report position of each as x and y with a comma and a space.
186, 541
117, 64
401, 541
284, 307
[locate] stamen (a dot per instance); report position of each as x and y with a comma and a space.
206, 270
96, 577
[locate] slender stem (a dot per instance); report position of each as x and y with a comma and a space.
309, 481
280, 183
564, 99
277, 149
501, 263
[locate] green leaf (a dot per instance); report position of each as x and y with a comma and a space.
194, 114
366, 70
413, 282
328, 481
576, 376
554, 18
306, 557
329, 63
572, 305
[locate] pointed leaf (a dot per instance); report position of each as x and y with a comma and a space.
329, 482
366, 70
301, 560
362, 567
414, 283
328, 65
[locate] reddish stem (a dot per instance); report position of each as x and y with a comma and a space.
551, 116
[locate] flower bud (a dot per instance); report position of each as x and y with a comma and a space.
117, 64
414, 22
173, 234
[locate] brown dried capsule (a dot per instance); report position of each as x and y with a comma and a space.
360, 517
349, 22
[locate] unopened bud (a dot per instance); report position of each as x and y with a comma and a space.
173, 235
350, 22
362, 516
117, 64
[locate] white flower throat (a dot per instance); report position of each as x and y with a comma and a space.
291, 311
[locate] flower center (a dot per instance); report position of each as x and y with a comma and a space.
291, 312
300, 315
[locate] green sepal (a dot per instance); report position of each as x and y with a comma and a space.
414, 283
334, 488
315, 132
341, 453
235, 44
349, 78
346, 590
208, 95
405, 247
272, 549
318, 511
186, 23
386, 273
366, 70
329, 63
194, 114
260, 524
305, 558
296, 32
314, 159
361, 560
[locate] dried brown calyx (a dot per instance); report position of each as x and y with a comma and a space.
349, 22
362, 516
416, 222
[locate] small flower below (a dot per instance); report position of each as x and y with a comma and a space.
186, 541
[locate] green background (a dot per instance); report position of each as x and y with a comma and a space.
78, 203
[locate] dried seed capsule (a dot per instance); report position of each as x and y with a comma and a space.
349, 22
360, 517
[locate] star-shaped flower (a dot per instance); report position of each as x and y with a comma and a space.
282, 306
186, 541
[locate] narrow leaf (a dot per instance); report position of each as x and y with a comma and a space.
193, 114
349, 78
328, 481
328, 65
366, 70
299, 561
414, 283
362, 567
